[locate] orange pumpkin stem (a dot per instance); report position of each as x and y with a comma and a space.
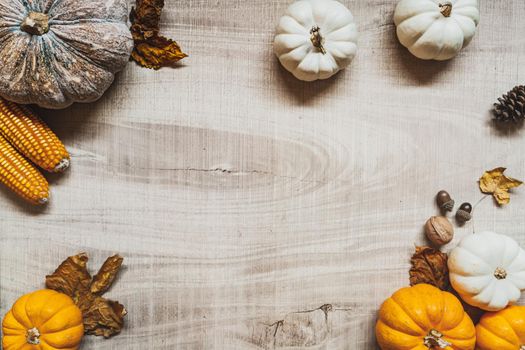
33, 336
434, 339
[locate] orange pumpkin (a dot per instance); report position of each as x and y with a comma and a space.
43, 320
502, 330
423, 317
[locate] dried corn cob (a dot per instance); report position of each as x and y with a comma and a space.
20, 176
32, 137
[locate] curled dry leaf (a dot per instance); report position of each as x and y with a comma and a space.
103, 280
102, 317
496, 183
151, 49
429, 266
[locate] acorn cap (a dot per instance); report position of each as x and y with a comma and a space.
448, 206
463, 215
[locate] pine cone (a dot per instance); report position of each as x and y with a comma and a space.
511, 107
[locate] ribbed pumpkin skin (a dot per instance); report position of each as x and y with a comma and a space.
57, 318
88, 41
406, 318
502, 330
473, 264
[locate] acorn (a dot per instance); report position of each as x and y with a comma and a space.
444, 201
464, 212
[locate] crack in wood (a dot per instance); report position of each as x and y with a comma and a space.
305, 328
232, 172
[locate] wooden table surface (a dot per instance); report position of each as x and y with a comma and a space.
255, 211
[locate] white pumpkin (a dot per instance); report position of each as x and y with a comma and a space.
316, 39
436, 29
488, 270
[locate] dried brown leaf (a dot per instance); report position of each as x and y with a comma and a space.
496, 183
429, 266
71, 277
103, 280
151, 49
102, 317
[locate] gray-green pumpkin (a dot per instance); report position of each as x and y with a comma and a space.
56, 52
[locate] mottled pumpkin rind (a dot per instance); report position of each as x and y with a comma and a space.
75, 61
55, 315
502, 330
412, 312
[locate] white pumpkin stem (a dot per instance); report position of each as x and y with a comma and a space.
317, 39
446, 9
501, 274
35, 23
33, 336
434, 339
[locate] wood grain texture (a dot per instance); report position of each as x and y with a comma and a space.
258, 212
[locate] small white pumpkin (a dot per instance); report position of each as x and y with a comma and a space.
316, 39
488, 270
436, 29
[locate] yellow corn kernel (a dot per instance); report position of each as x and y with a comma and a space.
20, 176
32, 137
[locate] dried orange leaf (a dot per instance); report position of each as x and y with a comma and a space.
496, 183
429, 266
151, 49
101, 316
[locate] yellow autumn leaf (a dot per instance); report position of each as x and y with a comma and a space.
496, 183
158, 52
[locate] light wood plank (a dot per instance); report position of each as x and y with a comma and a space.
240, 197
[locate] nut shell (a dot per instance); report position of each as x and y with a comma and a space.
463, 215
444, 201
466, 207
464, 212
439, 230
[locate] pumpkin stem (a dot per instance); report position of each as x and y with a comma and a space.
522, 347
446, 8
33, 336
501, 274
317, 39
35, 23
434, 339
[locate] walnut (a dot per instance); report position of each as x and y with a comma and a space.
439, 230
